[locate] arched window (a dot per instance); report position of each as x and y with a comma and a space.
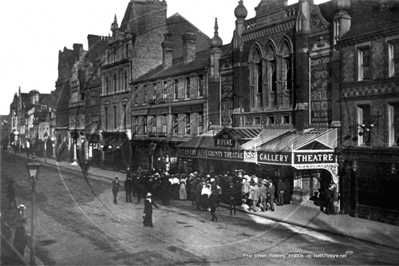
271, 75
287, 66
256, 78
287, 72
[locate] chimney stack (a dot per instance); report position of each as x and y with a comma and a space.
189, 46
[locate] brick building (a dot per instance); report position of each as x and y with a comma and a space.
170, 103
275, 100
66, 60
368, 53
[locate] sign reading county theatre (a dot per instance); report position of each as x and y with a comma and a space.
313, 158
226, 155
274, 158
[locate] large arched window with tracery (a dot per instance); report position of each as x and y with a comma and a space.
271, 75
287, 73
256, 78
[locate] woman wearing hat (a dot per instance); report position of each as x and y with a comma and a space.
148, 210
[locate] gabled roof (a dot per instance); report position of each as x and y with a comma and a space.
367, 17
180, 68
240, 133
295, 140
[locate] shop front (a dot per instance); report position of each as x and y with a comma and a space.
306, 162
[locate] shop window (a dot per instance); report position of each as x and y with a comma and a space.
256, 121
393, 124
364, 125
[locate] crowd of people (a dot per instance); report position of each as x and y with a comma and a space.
206, 191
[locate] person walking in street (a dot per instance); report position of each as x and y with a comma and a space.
20, 240
148, 210
280, 190
128, 186
182, 189
212, 206
271, 191
115, 188
231, 197
11, 195
263, 196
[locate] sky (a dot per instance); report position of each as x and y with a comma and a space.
35, 31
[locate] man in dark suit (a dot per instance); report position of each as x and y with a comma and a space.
271, 191
115, 188
148, 210
11, 195
128, 186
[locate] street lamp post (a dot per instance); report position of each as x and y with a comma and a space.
129, 136
45, 148
153, 146
354, 167
33, 171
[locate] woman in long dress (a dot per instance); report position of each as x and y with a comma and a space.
182, 190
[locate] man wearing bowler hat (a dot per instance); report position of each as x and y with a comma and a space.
147, 215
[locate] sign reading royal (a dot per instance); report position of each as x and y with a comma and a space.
274, 158
312, 158
224, 141
226, 155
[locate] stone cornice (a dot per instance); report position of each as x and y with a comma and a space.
269, 31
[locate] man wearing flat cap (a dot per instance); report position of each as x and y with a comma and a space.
147, 215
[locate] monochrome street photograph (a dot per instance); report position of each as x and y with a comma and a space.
184, 132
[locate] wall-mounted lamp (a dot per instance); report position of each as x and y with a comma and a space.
393, 169
354, 166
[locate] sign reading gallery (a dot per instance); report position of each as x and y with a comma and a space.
274, 158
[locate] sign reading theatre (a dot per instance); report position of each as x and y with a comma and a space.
312, 158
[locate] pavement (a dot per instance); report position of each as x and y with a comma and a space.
303, 216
